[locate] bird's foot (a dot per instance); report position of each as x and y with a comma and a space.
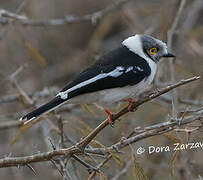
130, 103
110, 115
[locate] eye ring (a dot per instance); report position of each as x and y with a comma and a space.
153, 51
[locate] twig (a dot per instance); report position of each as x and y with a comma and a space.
65, 164
192, 111
94, 17
192, 17
66, 174
32, 169
171, 63
17, 86
14, 161
123, 171
44, 93
87, 165
92, 175
60, 126
56, 166
10, 124
4, 14
175, 23
191, 102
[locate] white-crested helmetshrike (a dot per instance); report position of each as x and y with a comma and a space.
119, 75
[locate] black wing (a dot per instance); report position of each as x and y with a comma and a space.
129, 69
133, 69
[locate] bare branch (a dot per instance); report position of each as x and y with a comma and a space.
171, 63
10, 124
44, 93
161, 128
175, 23
5, 16
123, 171
193, 15
192, 102
17, 86
87, 165
14, 161
92, 175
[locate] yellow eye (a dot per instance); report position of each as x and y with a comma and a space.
153, 51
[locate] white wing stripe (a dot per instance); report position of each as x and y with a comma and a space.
129, 69
139, 69
115, 73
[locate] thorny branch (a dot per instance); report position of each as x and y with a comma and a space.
5, 16
80, 147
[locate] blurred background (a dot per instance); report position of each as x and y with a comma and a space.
42, 59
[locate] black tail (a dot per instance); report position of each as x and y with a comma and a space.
51, 105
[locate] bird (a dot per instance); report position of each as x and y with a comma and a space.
119, 75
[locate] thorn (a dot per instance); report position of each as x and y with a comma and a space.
54, 163
91, 170
32, 169
158, 90
52, 145
116, 149
80, 147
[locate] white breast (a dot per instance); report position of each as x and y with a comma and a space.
153, 67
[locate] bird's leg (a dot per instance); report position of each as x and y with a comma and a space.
130, 103
109, 114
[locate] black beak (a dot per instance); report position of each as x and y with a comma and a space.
169, 55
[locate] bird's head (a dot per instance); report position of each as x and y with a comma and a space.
147, 47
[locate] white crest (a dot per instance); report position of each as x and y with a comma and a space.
134, 44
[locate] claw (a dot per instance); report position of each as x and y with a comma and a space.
109, 114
